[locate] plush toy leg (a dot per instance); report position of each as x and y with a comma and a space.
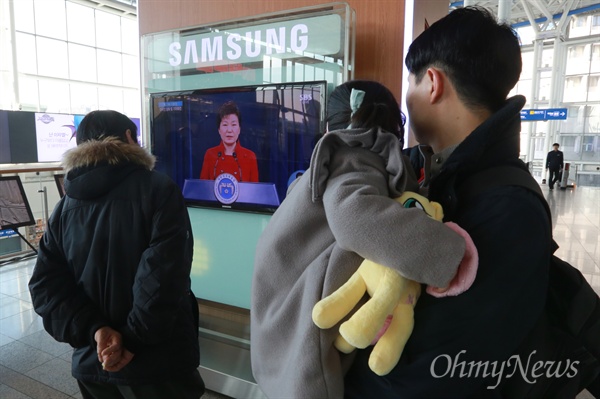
330, 310
387, 351
364, 325
342, 345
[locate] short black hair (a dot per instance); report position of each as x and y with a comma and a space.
379, 108
228, 108
97, 125
556, 144
481, 57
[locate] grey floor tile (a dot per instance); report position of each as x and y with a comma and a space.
24, 296
68, 356
11, 308
7, 392
20, 357
57, 374
15, 285
44, 341
21, 325
28, 386
4, 340
4, 297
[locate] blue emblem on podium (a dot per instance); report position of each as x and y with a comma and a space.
226, 188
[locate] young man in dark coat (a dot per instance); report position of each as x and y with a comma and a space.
461, 71
554, 164
113, 271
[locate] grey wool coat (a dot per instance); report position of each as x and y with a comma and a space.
338, 213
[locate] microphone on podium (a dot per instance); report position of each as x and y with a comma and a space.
216, 163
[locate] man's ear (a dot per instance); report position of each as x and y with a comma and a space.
438, 81
129, 136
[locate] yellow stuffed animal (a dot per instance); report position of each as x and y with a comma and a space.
391, 294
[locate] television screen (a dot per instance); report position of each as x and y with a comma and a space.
239, 147
14, 207
60, 184
17, 137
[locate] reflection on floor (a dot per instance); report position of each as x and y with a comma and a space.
33, 365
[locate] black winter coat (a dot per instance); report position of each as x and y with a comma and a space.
554, 160
487, 323
117, 252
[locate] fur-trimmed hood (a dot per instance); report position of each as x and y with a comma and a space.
95, 167
110, 150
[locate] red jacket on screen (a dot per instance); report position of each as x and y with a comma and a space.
242, 164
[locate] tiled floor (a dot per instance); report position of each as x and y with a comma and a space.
33, 365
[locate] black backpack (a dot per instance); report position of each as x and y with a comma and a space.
569, 329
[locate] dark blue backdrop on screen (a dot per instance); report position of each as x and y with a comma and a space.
280, 123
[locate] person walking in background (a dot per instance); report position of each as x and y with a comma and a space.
112, 277
554, 164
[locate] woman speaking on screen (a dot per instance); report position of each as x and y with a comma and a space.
229, 156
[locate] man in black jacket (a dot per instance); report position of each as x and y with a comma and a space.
554, 163
113, 271
461, 70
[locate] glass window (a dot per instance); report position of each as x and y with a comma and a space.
81, 26
54, 96
53, 59
82, 63
6, 91
578, 59
547, 58
574, 121
594, 88
527, 70
590, 148
131, 71
84, 98
580, 22
50, 18
595, 64
108, 31
524, 88
526, 34
109, 67
110, 98
544, 93
23, 11
592, 119
595, 25
575, 88
571, 147
26, 53
132, 103
130, 36
28, 93
579, 26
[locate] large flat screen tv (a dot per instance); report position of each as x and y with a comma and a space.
237, 147
14, 208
